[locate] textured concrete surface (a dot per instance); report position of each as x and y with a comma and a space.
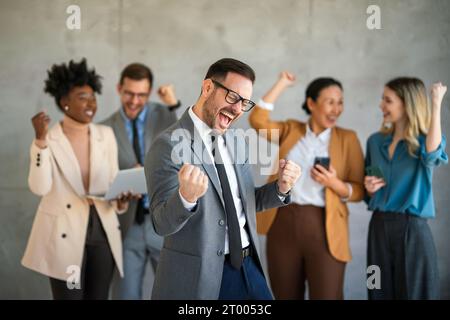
179, 40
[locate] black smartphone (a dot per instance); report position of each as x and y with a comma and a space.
323, 161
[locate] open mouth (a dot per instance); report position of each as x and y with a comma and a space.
225, 118
89, 113
332, 118
132, 108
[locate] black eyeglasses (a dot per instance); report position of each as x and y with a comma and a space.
233, 97
130, 95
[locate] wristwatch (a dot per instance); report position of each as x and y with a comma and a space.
281, 194
175, 106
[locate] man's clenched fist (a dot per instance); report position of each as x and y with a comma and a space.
287, 175
193, 182
167, 94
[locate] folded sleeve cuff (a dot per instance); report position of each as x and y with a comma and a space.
265, 105
434, 158
350, 192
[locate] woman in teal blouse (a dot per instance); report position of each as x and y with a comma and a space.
399, 162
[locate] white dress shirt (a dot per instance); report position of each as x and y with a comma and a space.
204, 130
306, 191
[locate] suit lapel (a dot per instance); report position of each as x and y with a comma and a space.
66, 159
96, 155
150, 125
124, 143
333, 149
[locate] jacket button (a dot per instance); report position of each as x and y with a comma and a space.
68, 206
37, 164
220, 252
63, 235
221, 222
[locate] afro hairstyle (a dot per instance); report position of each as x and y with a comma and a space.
62, 78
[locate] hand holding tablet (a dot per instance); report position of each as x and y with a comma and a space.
125, 180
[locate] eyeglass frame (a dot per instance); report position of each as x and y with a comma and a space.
130, 95
217, 83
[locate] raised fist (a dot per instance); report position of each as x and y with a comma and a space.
167, 95
287, 79
40, 124
193, 182
287, 175
438, 91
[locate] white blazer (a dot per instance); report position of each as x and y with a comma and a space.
58, 234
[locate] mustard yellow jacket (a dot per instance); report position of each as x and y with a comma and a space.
346, 157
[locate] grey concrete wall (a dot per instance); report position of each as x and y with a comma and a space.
179, 40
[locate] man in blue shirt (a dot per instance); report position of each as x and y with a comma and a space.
135, 126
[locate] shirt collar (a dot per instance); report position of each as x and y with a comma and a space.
203, 129
324, 136
387, 139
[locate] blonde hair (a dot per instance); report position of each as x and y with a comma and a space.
413, 94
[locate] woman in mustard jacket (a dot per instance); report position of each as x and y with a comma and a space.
308, 240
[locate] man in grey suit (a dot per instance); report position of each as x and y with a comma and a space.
203, 198
135, 126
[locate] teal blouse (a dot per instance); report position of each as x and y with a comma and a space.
408, 179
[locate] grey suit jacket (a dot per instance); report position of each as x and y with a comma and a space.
159, 118
192, 259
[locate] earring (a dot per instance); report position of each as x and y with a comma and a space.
66, 108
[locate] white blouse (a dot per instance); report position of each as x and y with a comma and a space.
306, 191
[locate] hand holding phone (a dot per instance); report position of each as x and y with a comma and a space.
323, 161
374, 179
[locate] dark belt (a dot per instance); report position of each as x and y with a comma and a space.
246, 252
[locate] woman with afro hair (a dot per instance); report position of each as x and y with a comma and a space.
75, 239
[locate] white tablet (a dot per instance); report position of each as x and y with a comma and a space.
125, 180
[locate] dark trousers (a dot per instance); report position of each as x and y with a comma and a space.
402, 246
97, 266
297, 252
248, 283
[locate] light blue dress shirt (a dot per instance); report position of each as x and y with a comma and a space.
141, 121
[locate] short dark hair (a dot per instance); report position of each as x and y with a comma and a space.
137, 71
219, 69
64, 77
315, 87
